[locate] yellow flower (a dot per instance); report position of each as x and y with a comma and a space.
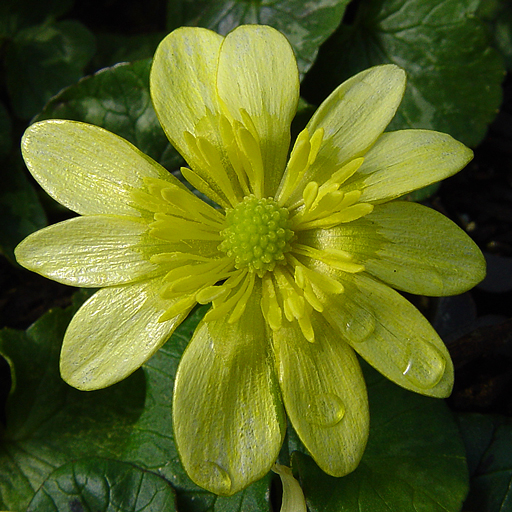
297, 260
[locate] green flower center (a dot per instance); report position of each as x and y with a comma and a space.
257, 235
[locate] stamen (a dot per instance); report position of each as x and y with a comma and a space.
181, 306
303, 155
304, 283
293, 301
334, 182
310, 194
189, 278
269, 304
211, 293
200, 184
216, 184
163, 196
307, 328
233, 153
215, 293
344, 173
251, 158
176, 229
242, 303
221, 308
346, 215
218, 172
316, 142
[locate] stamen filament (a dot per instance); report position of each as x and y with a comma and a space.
303, 155
346, 215
251, 158
219, 310
272, 312
179, 307
200, 184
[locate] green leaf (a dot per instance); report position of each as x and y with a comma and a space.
498, 14
48, 422
21, 212
101, 484
115, 48
423, 193
414, 459
5, 132
118, 100
488, 441
454, 75
15, 15
306, 24
43, 59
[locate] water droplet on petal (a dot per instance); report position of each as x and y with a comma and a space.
358, 328
325, 410
212, 476
425, 366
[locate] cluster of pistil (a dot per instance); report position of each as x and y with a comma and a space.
257, 235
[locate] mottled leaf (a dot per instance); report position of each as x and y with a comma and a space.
17, 14
48, 422
43, 59
5, 132
488, 441
102, 484
454, 74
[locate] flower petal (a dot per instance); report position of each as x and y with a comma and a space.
427, 255
409, 246
92, 251
353, 117
228, 417
399, 342
86, 168
182, 83
324, 394
114, 333
293, 497
406, 160
258, 73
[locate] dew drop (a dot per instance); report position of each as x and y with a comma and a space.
325, 410
359, 328
212, 476
425, 365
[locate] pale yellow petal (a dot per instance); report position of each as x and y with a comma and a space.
424, 252
324, 394
353, 117
293, 497
228, 417
86, 168
409, 246
92, 251
114, 333
183, 88
403, 161
399, 342
258, 74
